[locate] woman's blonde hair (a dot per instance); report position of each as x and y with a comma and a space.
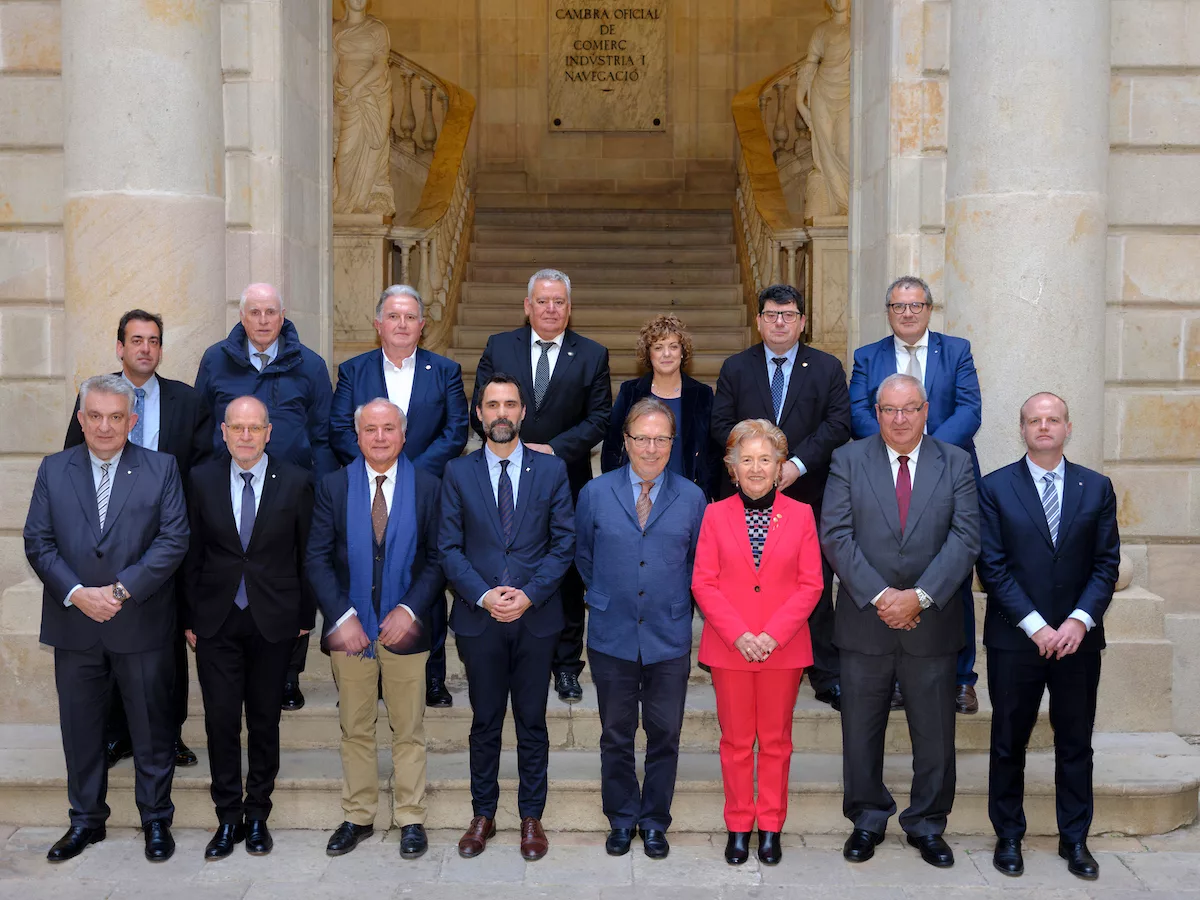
657, 329
749, 429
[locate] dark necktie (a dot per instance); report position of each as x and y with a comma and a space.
139, 408
777, 385
379, 512
644, 504
245, 529
541, 378
504, 502
903, 492
263, 359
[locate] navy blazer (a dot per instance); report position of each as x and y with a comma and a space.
1023, 572
144, 540
475, 553
328, 568
955, 403
437, 411
638, 610
701, 456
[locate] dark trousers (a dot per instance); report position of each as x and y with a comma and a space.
568, 655
116, 728
507, 662
928, 686
825, 671
1016, 680
237, 666
299, 654
965, 671
661, 690
435, 667
85, 679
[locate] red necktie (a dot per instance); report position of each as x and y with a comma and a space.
903, 492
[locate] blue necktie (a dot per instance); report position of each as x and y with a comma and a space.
777, 385
504, 500
1050, 505
139, 407
245, 529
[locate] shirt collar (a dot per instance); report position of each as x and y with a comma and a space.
912, 454
514, 458
409, 362
271, 351
1039, 473
790, 354
390, 474
534, 337
98, 462
150, 387
258, 470
636, 480
923, 341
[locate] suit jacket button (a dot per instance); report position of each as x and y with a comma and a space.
642, 563
757, 589
641, 593
100, 554
245, 559
641, 621
507, 552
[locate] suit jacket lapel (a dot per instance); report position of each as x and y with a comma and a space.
166, 419
123, 478
1072, 494
799, 370
1027, 493
224, 501
758, 354
524, 487
377, 385
566, 356
933, 362
879, 476
735, 520
931, 467
80, 473
524, 352
270, 493
623, 491
422, 380
773, 529
489, 499
667, 492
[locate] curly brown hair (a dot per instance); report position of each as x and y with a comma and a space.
655, 330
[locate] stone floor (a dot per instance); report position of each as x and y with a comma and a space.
578, 869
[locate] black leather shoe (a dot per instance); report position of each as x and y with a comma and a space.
160, 846
413, 842
737, 847
934, 850
292, 698
618, 841
346, 837
832, 696
769, 851
897, 701
71, 844
115, 751
184, 755
567, 685
860, 846
223, 842
654, 842
437, 696
258, 837
1007, 858
1080, 861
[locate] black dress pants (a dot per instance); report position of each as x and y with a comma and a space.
568, 655
435, 666
825, 672
237, 666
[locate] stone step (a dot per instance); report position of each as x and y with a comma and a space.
1143, 784
703, 365
565, 235
606, 197
603, 218
510, 315
565, 257
651, 298
621, 340
590, 275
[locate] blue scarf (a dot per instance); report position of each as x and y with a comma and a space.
400, 544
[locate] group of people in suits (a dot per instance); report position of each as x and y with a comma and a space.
745, 503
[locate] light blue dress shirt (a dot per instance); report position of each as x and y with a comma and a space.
636, 481
259, 473
151, 411
271, 352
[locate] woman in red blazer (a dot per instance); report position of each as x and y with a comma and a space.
757, 578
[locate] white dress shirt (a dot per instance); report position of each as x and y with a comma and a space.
151, 410
514, 475
787, 367
552, 352
271, 352
399, 379
97, 474
894, 459
920, 350
1033, 622
258, 471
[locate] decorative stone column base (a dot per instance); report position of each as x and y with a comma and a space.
362, 268
828, 285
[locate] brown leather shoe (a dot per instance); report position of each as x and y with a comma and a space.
966, 702
533, 840
479, 832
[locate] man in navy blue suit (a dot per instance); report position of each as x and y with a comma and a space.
943, 364
428, 388
507, 539
1050, 552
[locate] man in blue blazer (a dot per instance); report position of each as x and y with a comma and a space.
640, 620
1049, 559
106, 530
507, 538
946, 369
428, 388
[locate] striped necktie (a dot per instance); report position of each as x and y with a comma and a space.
1050, 505
777, 385
102, 493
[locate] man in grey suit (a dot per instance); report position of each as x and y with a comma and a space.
106, 529
900, 526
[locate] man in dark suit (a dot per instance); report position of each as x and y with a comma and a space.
429, 391
373, 564
245, 602
803, 391
1049, 566
566, 377
944, 365
106, 530
900, 524
171, 419
507, 539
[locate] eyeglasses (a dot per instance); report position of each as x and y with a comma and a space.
642, 441
898, 308
773, 316
890, 412
255, 430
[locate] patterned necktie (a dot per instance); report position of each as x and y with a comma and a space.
379, 510
541, 379
903, 492
263, 359
507, 509
139, 408
777, 385
245, 529
914, 364
1050, 505
644, 504
102, 493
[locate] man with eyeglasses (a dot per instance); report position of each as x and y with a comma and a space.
944, 366
803, 391
639, 621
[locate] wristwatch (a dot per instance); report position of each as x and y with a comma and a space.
119, 593
925, 600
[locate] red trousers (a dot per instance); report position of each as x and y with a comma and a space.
750, 705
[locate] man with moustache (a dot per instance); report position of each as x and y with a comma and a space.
245, 600
506, 541
428, 389
803, 391
173, 419
565, 378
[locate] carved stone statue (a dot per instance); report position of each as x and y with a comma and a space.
823, 101
362, 114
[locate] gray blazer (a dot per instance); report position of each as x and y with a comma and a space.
860, 535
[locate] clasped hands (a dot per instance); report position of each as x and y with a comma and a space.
506, 604
755, 648
1061, 641
97, 603
899, 609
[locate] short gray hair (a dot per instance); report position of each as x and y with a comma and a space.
266, 412
549, 275
400, 290
649, 406
258, 284
908, 281
899, 379
381, 401
107, 384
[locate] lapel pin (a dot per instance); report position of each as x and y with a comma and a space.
130, 472
570, 353
804, 365
427, 366
272, 476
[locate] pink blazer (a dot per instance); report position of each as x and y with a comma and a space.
776, 598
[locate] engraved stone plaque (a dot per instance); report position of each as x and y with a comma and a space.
607, 65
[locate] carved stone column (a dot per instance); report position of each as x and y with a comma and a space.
144, 173
1026, 210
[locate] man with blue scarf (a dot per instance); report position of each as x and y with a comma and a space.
373, 564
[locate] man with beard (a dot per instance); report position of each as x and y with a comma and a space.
507, 538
